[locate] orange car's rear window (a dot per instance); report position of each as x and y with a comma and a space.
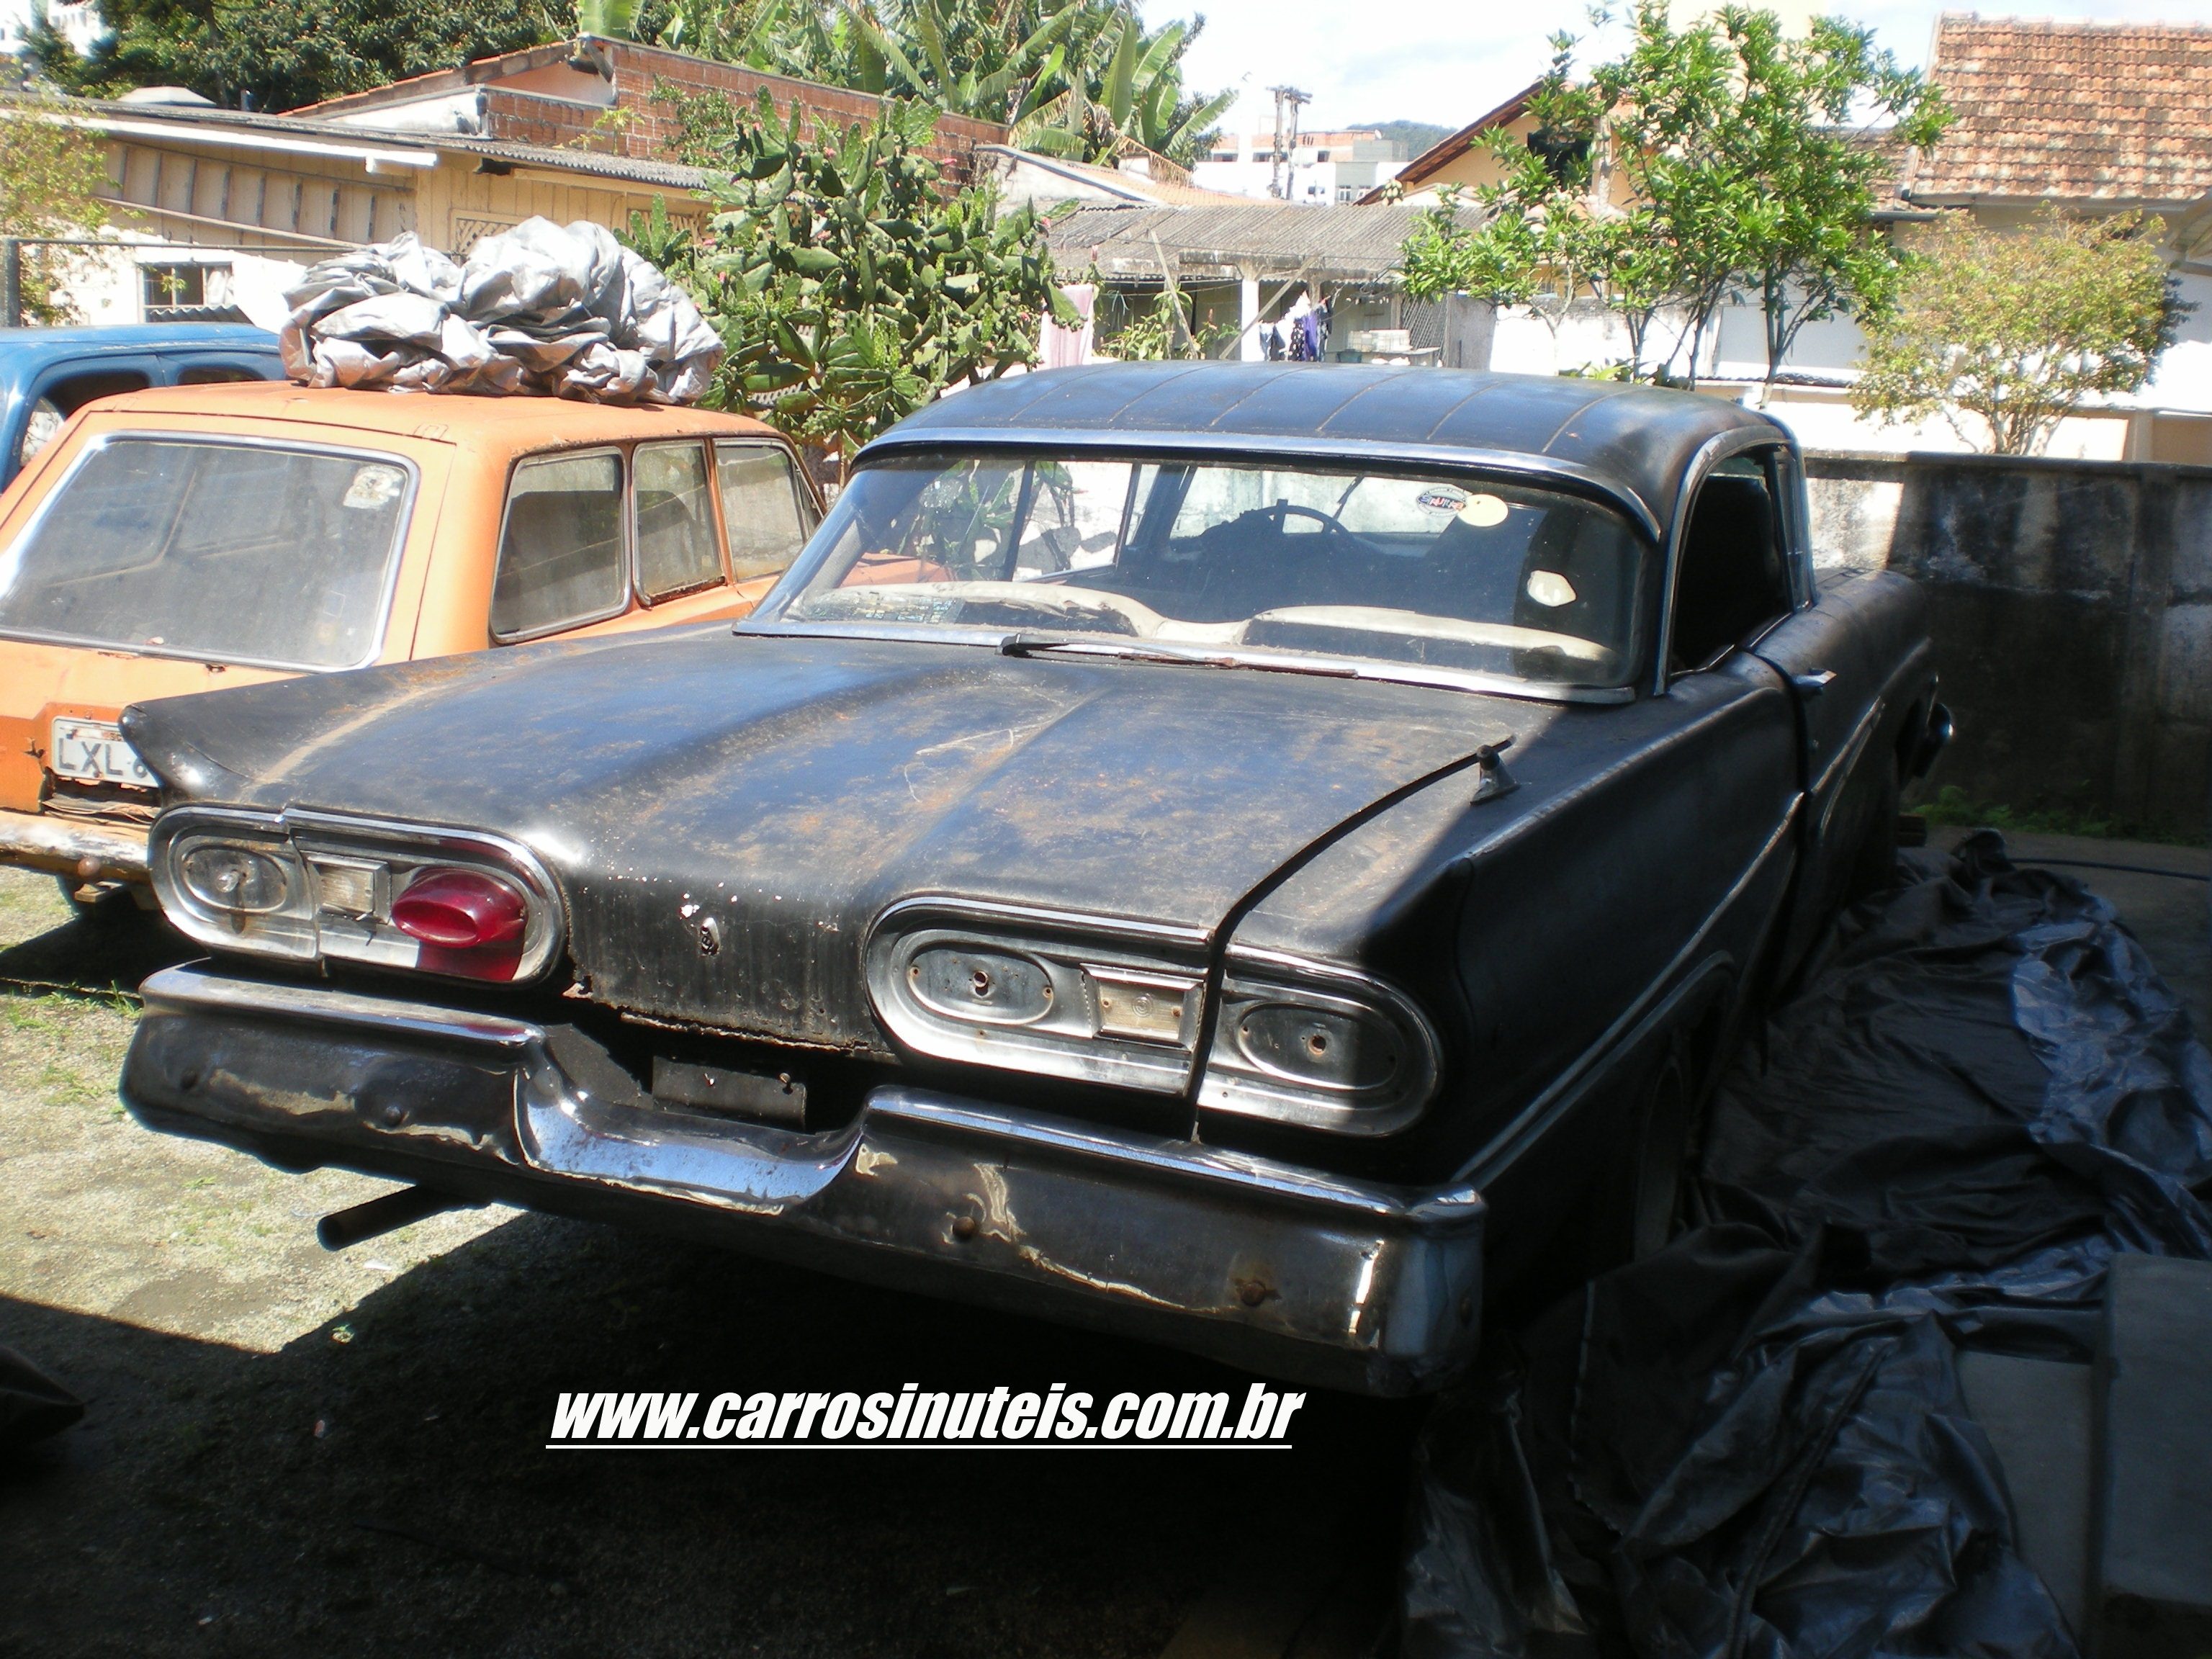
213, 548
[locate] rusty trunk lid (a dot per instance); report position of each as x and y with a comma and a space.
791, 789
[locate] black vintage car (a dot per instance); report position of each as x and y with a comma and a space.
1246, 855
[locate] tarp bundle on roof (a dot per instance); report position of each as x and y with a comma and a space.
565, 312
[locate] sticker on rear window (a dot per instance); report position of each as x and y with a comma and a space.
374, 487
1443, 501
1483, 511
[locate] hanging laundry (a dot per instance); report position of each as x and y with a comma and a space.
1069, 348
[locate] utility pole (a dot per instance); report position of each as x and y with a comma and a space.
11, 283
1287, 99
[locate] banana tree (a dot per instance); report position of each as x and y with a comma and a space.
1073, 77
1133, 96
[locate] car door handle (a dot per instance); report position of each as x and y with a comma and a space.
1812, 684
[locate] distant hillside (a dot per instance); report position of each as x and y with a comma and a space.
1415, 135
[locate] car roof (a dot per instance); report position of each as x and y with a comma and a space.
1635, 443
511, 423
45, 346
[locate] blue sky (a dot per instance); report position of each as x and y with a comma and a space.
1448, 61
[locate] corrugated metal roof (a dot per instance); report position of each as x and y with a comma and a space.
189, 119
1136, 188
670, 175
1271, 239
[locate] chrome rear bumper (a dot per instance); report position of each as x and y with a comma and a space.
1341, 1283
84, 850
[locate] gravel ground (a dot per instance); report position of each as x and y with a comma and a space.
286, 1450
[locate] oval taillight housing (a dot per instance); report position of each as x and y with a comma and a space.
461, 910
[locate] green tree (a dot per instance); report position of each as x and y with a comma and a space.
49, 188
1125, 89
849, 287
286, 52
1702, 165
2005, 334
1806, 182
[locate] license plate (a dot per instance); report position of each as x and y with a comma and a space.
94, 751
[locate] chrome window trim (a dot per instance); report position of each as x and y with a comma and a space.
1722, 447
1220, 448
1412, 460
623, 476
393, 558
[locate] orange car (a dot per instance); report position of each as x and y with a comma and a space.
184, 538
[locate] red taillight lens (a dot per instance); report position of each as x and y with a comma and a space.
461, 910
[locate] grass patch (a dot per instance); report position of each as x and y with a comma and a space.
1953, 805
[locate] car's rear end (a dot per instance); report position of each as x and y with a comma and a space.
162, 548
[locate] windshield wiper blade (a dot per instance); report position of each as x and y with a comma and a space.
1027, 644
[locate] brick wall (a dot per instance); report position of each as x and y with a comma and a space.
645, 128
524, 117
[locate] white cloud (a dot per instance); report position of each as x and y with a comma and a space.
1447, 62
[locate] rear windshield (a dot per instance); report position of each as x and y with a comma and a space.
236, 552
1491, 576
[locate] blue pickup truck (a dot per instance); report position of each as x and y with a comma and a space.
46, 375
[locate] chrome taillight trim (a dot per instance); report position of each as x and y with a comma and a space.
296, 835
1077, 956
1237, 1082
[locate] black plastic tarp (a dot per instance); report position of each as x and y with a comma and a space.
32, 1404
1755, 1442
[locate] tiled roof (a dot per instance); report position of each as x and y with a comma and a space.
2070, 111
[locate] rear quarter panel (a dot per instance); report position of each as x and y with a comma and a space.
1636, 870
1626, 913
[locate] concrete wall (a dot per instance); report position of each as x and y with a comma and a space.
2072, 614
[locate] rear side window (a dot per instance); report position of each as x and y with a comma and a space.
560, 555
760, 508
1734, 578
215, 374
676, 546
234, 552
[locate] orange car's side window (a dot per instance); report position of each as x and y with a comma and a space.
675, 547
760, 508
562, 554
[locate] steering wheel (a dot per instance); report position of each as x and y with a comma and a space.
1328, 521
